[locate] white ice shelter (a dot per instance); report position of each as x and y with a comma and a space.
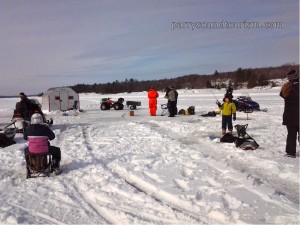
60, 98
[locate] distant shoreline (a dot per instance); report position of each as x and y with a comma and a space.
16, 96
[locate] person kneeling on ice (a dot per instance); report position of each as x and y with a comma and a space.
228, 113
38, 128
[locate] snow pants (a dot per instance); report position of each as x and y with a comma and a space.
172, 108
226, 122
291, 140
152, 106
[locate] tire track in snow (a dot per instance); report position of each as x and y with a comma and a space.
243, 179
254, 166
178, 205
110, 211
84, 199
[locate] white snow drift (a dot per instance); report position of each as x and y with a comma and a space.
155, 170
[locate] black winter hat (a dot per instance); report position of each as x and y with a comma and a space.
292, 75
227, 96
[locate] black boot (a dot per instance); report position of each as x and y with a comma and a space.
55, 166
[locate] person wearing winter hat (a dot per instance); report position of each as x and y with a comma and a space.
24, 107
228, 113
290, 93
172, 97
37, 128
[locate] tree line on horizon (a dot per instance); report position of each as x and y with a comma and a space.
249, 78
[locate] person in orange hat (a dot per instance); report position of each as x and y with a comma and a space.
152, 95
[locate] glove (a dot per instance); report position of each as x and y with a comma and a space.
234, 117
218, 103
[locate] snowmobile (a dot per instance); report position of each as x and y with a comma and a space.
7, 136
246, 104
21, 117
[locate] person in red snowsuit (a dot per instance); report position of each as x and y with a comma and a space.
152, 95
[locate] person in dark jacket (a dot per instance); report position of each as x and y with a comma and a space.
172, 96
38, 128
27, 107
290, 93
24, 107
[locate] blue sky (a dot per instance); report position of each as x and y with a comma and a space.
49, 43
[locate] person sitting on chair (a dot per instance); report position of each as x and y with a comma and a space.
38, 128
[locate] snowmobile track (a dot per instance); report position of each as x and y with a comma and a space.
176, 208
254, 176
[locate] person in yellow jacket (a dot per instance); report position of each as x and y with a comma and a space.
228, 113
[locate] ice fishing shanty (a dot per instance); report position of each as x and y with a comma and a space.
60, 98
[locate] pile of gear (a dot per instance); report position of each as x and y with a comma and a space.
243, 140
189, 111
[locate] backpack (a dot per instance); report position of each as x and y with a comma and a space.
5, 141
227, 138
191, 110
244, 140
181, 112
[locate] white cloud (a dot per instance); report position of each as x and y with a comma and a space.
69, 42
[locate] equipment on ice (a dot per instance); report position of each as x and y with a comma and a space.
7, 136
189, 111
107, 103
165, 110
244, 140
244, 103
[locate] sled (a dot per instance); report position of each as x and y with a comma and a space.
132, 104
227, 138
165, 110
7, 137
38, 160
244, 140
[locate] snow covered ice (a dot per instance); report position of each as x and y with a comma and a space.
121, 169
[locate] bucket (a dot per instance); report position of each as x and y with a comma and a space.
131, 113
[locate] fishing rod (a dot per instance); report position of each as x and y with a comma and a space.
214, 95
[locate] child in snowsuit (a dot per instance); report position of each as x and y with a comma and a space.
228, 113
152, 95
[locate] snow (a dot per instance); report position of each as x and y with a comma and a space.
122, 169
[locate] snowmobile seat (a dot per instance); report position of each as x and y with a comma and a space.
39, 161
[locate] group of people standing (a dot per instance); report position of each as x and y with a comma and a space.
289, 92
171, 95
